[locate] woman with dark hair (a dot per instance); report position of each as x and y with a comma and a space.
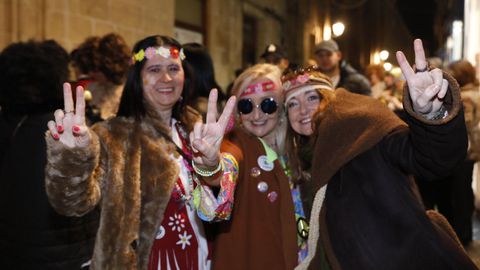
139, 166
32, 234
204, 77
366, 213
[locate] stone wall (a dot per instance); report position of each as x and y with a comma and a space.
71, 21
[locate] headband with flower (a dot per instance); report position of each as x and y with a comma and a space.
304, 82
150, 52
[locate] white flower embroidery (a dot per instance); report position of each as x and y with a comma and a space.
176, 222
184, 239
160, 233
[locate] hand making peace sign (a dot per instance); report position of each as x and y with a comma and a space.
427, 88
206, 138
69, 126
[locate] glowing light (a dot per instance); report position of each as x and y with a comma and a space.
327, 32
338, 28
387, 66
384, 55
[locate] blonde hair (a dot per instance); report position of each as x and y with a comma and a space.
273, 73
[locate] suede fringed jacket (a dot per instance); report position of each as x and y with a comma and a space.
127, 170
366, 212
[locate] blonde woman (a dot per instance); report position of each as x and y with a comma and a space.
262, 233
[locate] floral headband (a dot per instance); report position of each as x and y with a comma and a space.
150, 52
258, 88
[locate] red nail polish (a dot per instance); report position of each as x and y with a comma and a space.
76, 129
60, 128
55, 136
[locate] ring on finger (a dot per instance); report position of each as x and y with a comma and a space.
69, 111
417, 70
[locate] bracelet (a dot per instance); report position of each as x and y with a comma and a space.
206, 173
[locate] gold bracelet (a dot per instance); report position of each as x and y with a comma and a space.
206, 173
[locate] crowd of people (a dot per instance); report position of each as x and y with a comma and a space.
142, 161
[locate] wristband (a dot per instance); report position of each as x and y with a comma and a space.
206, 173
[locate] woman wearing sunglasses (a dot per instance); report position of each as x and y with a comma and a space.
262, 231
366, 213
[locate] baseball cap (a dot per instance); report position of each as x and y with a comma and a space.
327, 45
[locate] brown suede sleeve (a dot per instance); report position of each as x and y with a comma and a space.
71, 176
452, 102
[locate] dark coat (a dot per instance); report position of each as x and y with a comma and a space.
371, 217
261, 233
32, 234
353, 81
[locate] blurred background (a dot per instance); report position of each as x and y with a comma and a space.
235, 32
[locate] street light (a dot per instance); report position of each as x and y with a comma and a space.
338, 28
384, 55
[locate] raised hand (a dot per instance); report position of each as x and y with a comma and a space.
206, 138
69, 126
427, 88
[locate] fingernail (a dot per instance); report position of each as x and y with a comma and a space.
60, 128
76, 129
55, 136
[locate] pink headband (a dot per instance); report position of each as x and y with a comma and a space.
258, 88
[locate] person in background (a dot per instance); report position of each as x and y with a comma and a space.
204, 77
84, 62
268, 226
366, 213
330, 60
32, 234
109, 76
276, 55
375, 75
140, 167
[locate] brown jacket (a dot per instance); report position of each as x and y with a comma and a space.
261, 234
368, 216
128, 172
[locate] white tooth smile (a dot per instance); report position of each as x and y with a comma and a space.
257, 123
306, 121
164, 90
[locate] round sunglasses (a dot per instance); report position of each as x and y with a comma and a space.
268, 105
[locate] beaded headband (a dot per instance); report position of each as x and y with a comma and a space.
150, 52
258, 88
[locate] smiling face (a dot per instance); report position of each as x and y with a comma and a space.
300, 110
163, 80
257, 121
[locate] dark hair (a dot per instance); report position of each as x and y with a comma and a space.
132, 101
114, 57
31, 77
85, 56
463, 72
203, 71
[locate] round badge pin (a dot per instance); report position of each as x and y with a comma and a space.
262, 186
255, 172
264, 163
272, 196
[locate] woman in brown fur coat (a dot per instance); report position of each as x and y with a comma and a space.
138, 166
366, 213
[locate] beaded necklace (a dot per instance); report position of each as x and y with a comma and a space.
179, 191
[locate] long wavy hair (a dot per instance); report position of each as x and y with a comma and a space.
132, 103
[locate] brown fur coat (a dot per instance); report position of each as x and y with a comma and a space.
127, 171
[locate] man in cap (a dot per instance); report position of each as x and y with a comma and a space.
276, 55
342, 74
